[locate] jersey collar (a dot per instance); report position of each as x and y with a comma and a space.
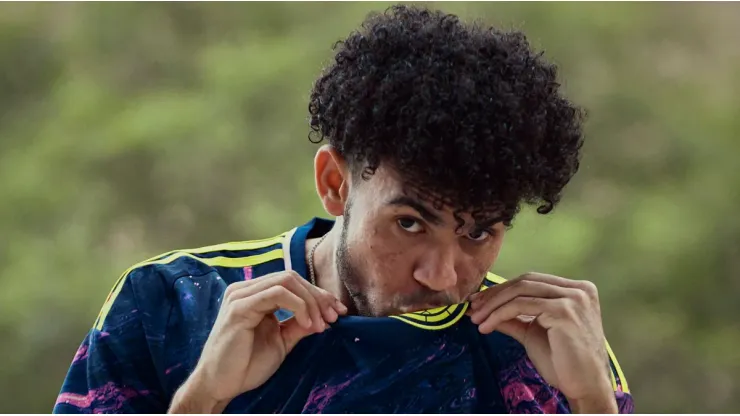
294, 247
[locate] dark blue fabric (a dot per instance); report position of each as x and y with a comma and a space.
380, 365
150, 340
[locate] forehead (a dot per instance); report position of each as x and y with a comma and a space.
386, 190
385, 180
385, 185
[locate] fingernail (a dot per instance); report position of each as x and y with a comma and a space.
341, 306
310, 322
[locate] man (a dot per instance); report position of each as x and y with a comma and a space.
437, 133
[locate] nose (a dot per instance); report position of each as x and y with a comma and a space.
436, 271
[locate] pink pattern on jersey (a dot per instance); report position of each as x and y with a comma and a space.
108, 398
81, 353
248, 273
525, 391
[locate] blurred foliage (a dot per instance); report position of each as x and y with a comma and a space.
130, 129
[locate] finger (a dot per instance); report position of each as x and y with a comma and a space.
329, 305
489, 291
255, 307
295, 283
525, 305
581, 291
243, 289
292, 332
483, 307
234, 287
291, 281
584, 285
515, 328
559, 281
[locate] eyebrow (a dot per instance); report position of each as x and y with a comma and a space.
427, 214
490, 223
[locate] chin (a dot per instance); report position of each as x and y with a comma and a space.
365, 309
381, 313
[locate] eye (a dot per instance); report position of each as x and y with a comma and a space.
478, 235
409, 224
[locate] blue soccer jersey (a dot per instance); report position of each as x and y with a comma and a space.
154, 324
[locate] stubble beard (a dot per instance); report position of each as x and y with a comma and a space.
350, 276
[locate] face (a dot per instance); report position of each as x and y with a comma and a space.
397, 254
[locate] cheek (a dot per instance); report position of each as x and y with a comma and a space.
478, 264
496, 249
492, 252
471, 274
388, 259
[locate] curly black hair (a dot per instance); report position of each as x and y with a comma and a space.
471, 117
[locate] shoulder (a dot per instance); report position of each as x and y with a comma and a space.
156, 280
203, 260
154, 322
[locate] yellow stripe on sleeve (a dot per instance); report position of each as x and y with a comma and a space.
214, 261
620, 373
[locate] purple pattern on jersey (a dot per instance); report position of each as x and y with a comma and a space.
524, 390
106, 399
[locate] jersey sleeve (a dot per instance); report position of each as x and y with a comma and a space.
625, 402
113, 370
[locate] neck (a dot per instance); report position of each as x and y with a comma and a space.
324, 264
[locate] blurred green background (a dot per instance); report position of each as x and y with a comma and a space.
127, 130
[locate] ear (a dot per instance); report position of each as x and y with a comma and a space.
332, 180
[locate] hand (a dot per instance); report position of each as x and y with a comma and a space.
558, 321
247, 343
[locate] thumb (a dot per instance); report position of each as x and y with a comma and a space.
515, 328
292, 332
